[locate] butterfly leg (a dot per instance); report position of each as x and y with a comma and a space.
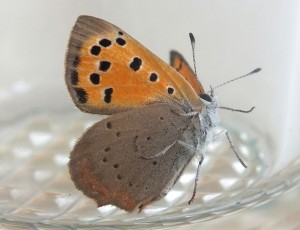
196, 178
186, 145
234, 149
219, 136
191, 150
232, 146
190, 114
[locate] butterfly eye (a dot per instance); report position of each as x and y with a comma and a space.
205, 97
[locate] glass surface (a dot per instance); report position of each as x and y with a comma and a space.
39, 123
36, 186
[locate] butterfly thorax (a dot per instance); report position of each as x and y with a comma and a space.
207, 119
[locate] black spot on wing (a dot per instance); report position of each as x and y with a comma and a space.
108, 125
107, 95
153, 77
136, 63
74, 77
81, 95
95, 78
170, 90
121, 41
76, 61
105, 42
95, 50
104, 65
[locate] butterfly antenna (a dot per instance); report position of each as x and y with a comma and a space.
236, 110
193, 41
237, 78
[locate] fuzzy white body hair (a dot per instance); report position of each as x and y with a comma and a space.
208, 118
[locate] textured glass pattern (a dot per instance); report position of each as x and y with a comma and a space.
35, 185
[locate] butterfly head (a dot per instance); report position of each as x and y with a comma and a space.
209, 99
210, 102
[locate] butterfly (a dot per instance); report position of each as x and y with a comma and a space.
160, 116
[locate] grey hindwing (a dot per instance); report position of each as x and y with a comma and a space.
108, 163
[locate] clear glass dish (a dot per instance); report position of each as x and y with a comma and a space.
36, 186
39, 124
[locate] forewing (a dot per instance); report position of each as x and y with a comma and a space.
107, 163
107, 71
178, 62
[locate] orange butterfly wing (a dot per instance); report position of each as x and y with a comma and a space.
107, 71
178, 62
